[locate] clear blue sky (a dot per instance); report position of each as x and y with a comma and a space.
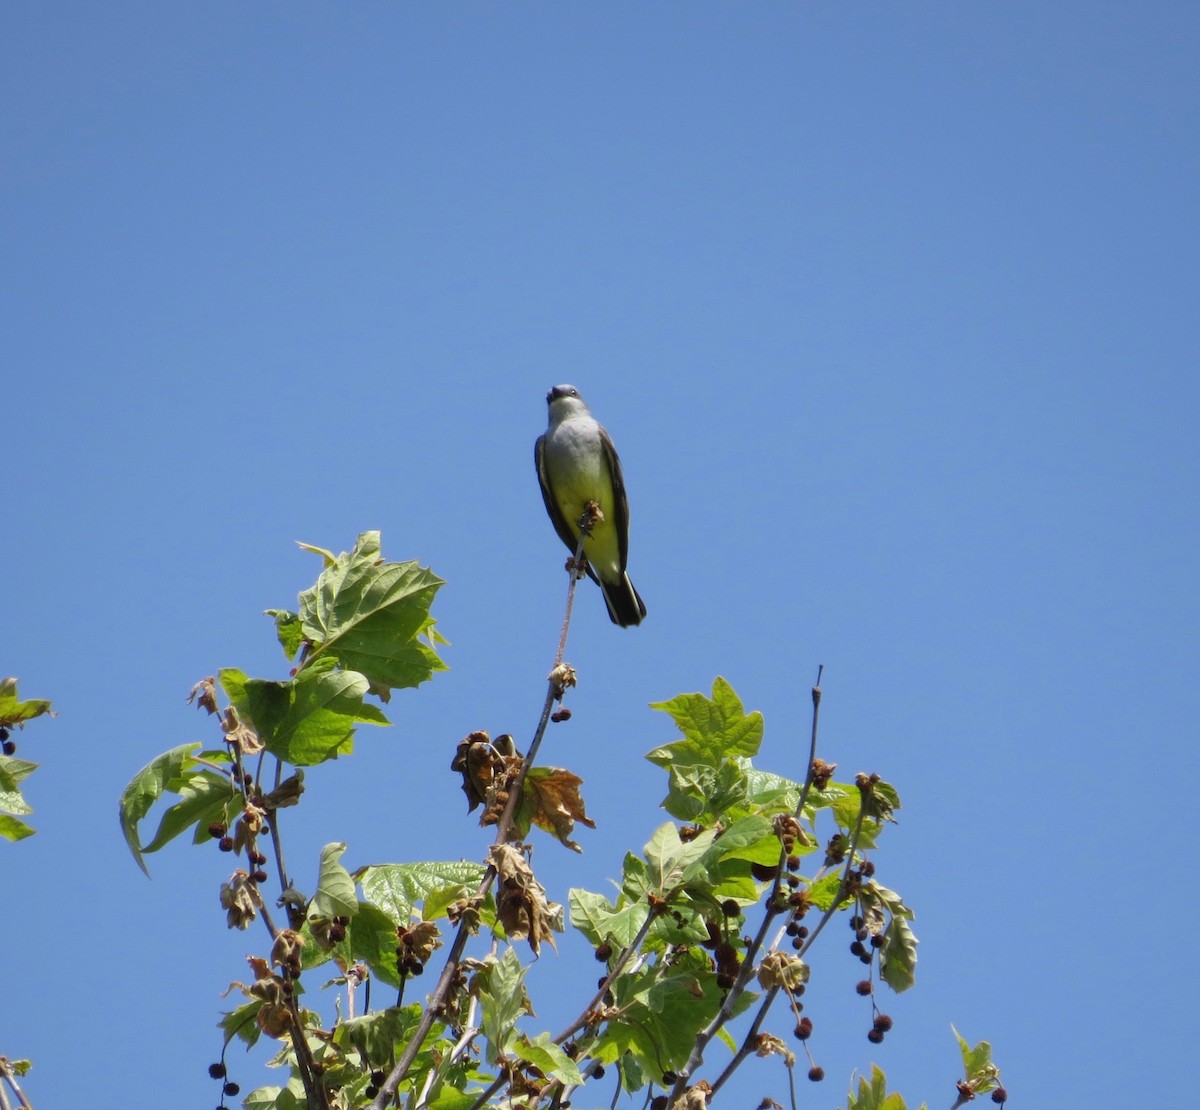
892, 313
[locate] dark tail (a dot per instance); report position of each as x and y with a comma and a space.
625, 605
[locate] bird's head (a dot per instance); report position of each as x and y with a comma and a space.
561, 391
565, 402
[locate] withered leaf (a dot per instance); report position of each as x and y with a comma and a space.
551, 800
521, 904
287, 793
770, 1045
487, 768
204, 694
694, 1098
783, 970
240, 735
240, 900
419, 941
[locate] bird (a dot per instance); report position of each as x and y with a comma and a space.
577, 463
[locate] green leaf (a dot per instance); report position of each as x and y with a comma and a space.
756, 843
241, 1023
882, 800
438, 901
635, 878
659, 1017
846, 808
335, 888
825, 890
272, 1098
146, 788
318, 948
874, 1095
670, 857
204, 797
377, 1035
13, 711
397, 888
772, 793
12, 772
544, 1054
743, 840
714, 729
288, 630
369, 614
451, 1098
898, 956
598, 920
702, 793
977, 1059
373, 940
13, 828
308, 719
501, 990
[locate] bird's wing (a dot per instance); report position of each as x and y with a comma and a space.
620, 503
560, 522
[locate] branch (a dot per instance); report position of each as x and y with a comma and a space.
437, 1000
10, 1077
773, 910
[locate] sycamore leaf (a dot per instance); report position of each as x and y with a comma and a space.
12, 771
714, 729
272, 1098
327, 557
823, 892
550, 799
657, 1016
373, 940
548, 1058
398, 888
13, 711
521, 904
204, 797
977, 1062
241, 1022
669, 857
307, 719
146, 788
13, 828
451, 1098
702, 793
881, 800
742, 840
377, 1035
898, 956
500, 987
771, 793
288, 630
598, 920
370, 614
335, 888
873, 1095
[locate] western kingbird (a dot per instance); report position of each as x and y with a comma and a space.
576, 463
